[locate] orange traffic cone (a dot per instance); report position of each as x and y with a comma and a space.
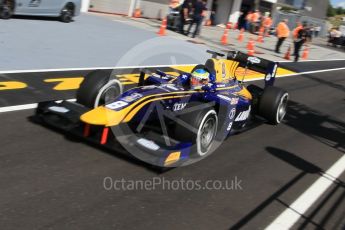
208, 22
163, 27
137, 13
236, 26
288, 54
260, 37
229, 25
305, 53
261, 30
224, 39
251, 47
241, 36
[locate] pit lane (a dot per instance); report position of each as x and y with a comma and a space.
51, 181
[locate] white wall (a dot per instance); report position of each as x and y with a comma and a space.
154, 8
149, 8
223, 10
235, 11
85, 5
111, 6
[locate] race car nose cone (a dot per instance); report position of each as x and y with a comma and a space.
102, 116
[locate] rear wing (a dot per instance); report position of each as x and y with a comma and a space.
264, 66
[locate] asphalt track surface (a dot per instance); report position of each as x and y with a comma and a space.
35, 43
49, 181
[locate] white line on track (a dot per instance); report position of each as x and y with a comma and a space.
22, 107
301, 73
89, 68
299, 207
316, 60
34, 105
314, 71
128, 67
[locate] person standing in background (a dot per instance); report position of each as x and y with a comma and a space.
248, 20
283, 32
317, 31
311, 30
255, 21
186, 9
213, 12
198, 14
300, 34
267, 23
310, 33
296, 30
241, 21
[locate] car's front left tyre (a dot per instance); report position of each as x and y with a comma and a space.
98, 88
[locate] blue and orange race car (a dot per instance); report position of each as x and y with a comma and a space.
166, 120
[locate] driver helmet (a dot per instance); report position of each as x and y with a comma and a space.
200, 77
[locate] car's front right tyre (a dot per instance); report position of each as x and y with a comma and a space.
199, 128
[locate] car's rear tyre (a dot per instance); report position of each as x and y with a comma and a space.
98, 88
67, 13
6, 10
200, 128
273, 104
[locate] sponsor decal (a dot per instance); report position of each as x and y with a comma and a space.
224, 97
232, 113
179, 106
132, 97
268, 77
184, 76
229, 126
254, 60
242, 116
221, 85
156, 75
223, 70
116, 105
172, 87
234, 101
58, 109
148, 144
275, 69
149, 87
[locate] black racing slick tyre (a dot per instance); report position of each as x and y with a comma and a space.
200, 128
98, 88
273, 104
6, 9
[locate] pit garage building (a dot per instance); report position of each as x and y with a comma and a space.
311, 11
226, 10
